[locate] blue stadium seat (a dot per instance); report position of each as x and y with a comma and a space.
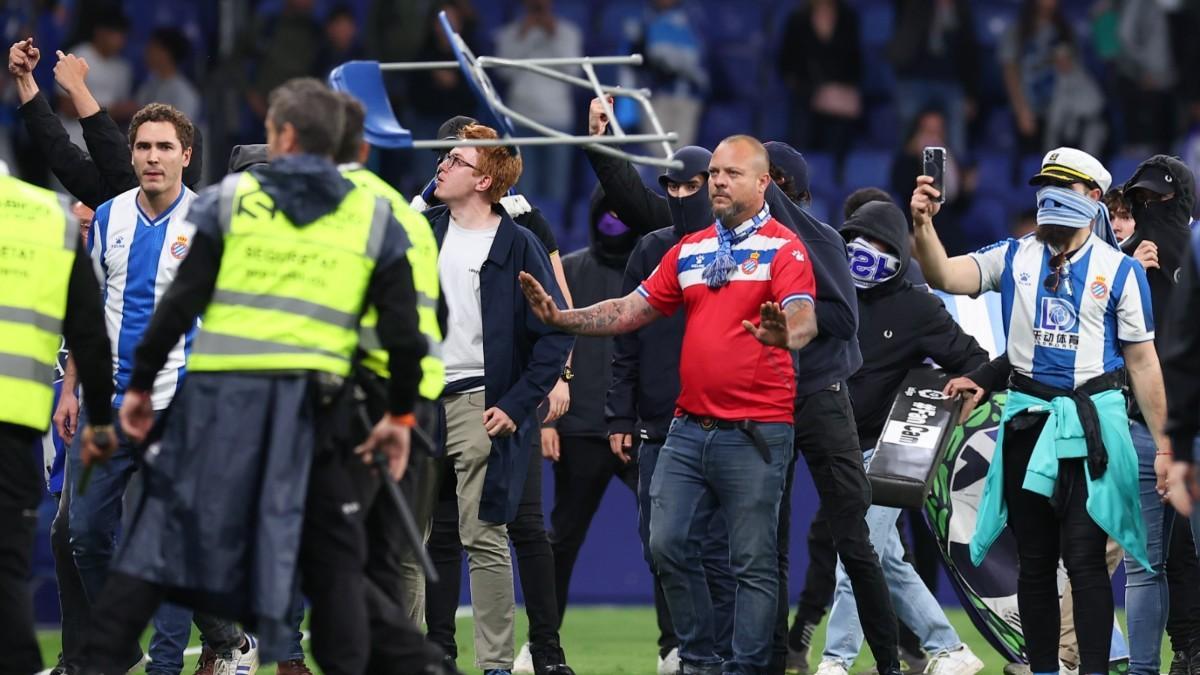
877, 21
728, 22
867, 168
879, 80
364, 81
725, 119
1028, 168
883, 126
999, 132
822, 174
613, 20
995, 174
1122, 168
986, 221
736, 73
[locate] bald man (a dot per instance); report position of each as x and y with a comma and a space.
747, 289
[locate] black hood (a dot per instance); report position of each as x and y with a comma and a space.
243, 157
193, 173
886, 222
1173, 214
612, 250
304, 187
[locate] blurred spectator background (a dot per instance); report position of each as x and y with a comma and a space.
858, 86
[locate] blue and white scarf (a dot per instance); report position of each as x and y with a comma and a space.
716, 273
1060, 206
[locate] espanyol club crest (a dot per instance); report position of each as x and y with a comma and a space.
751, 263
1098, 288
179, 249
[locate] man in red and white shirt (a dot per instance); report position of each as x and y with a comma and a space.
730, 444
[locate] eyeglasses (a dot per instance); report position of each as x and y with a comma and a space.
455, 161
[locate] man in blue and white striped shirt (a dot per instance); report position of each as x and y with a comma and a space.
1078, 319
137, 242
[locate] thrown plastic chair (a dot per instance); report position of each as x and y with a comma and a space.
364, 81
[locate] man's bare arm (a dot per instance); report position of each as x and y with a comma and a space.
959, 274
801, 323
1145, 374
611, 317
789, 327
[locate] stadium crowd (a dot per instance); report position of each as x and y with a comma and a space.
435, 339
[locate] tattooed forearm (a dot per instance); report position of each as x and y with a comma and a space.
611, 317
801, 323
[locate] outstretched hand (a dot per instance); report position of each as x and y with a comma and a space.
543, 306
772, 328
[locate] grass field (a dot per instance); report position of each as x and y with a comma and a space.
619, 641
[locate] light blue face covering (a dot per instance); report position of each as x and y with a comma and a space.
1062, 206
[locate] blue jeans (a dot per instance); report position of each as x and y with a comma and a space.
1147, 600
94, 523
913, 602
714, 553
701, 473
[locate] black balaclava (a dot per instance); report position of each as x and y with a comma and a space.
611, 240
694, 212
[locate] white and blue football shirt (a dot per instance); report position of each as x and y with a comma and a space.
138, 257
1064, 338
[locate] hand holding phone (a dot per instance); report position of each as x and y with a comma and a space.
935, 168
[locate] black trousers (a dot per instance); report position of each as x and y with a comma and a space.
535, 563
20, 492
332, 558
1046, 531
827, 436
72, 599
581, 476
397, 646
1183, 583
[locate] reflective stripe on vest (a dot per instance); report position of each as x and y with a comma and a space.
288, 298
38, 242
422, 258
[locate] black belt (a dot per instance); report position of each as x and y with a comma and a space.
1089, 418
748, 427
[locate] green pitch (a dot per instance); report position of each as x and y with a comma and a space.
619, 641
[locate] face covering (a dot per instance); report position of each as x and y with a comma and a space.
614, 241
869, 266
692, 213
1061, 206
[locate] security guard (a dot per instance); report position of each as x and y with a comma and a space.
47, 288
245, 489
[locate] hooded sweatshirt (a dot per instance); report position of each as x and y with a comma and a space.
595, 274
899, 326
304, 188
1167, 224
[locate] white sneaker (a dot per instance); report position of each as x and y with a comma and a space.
961, 661
669, 664
524, 663
239, 662
831, 667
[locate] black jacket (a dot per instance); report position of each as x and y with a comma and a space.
594, 274
108, 171
1181, 355
899, 326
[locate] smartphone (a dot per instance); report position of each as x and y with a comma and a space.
935, 167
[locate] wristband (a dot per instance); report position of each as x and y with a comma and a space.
406, 420
1168, 453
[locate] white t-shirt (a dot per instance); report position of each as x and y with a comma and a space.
462, 256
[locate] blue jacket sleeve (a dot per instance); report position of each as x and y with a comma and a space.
620, 406
550, 345
837, 304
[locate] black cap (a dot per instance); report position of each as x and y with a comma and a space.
1155, 179
453, 126
789, 160
695, 161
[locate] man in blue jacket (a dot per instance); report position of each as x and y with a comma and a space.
501, 362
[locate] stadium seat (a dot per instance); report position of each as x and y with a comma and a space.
877, 21
995, 174
822, 174
1028, 168
999, 133
867, 168
986, 221
725, 119
879, 80
364, 81
730, 22
883, 126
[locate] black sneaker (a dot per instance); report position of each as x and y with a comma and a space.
550, 661
1193, 660
61, 668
